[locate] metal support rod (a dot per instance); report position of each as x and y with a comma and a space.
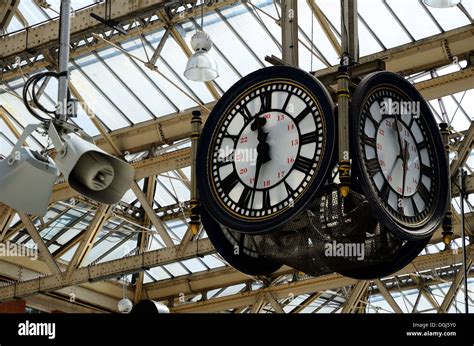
462, 175
64, 39
343, 95
350, 30
350, 55
195, 205
448, 218
289, 27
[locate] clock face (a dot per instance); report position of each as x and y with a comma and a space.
400, 154
265, 149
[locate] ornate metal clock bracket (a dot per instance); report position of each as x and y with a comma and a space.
195, 204
448, 219
343, 95
350, 56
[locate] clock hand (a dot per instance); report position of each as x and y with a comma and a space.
255, 180
262, 151
263, 148
394, 165
405, 168
399, 136
403, 152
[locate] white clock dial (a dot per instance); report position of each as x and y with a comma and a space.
266, 149
291, 131
397, 156
390, 160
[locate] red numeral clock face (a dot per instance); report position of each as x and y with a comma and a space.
400, 155
265, 149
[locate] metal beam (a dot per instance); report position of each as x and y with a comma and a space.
88, 239
455, 286
46, 35
306, 302
425, 292
199, 282
463, 151
4, 116
6, 218
154, 219
274, 303
424, 54
258, 305
129, 22
7, 10
322, 20
446, 85
58, 303
144, 238
289, 30
388, 297
159, 48
317, 284
357, 293
33, 232
102, 295
105, 271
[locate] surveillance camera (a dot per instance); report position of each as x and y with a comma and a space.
91, 171
125, 306
26, 181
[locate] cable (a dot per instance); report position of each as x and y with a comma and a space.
32, 82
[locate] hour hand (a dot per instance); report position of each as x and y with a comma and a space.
263, 149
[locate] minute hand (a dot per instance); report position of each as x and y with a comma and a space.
262, 151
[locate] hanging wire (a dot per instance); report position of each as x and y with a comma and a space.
202, 15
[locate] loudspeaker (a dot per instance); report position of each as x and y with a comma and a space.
26, 181
91, 171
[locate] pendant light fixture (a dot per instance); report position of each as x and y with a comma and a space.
201, 66
442, 3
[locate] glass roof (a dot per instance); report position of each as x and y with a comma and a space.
123, 92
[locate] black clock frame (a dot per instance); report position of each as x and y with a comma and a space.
229, 101
427, 226
250, 265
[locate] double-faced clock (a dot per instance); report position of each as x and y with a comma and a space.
399, 155
265, 149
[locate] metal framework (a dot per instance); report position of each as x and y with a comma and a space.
72, 275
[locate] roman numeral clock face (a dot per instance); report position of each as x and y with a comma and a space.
265, 154
401, 157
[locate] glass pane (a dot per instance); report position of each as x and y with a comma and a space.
116, 92
382, 23
177, 97
229, 44
31, 12
135, 80
450, 18
406, 11
305, 18
97, 103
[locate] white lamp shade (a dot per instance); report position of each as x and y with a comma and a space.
441, 3
125, 305
201, 67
